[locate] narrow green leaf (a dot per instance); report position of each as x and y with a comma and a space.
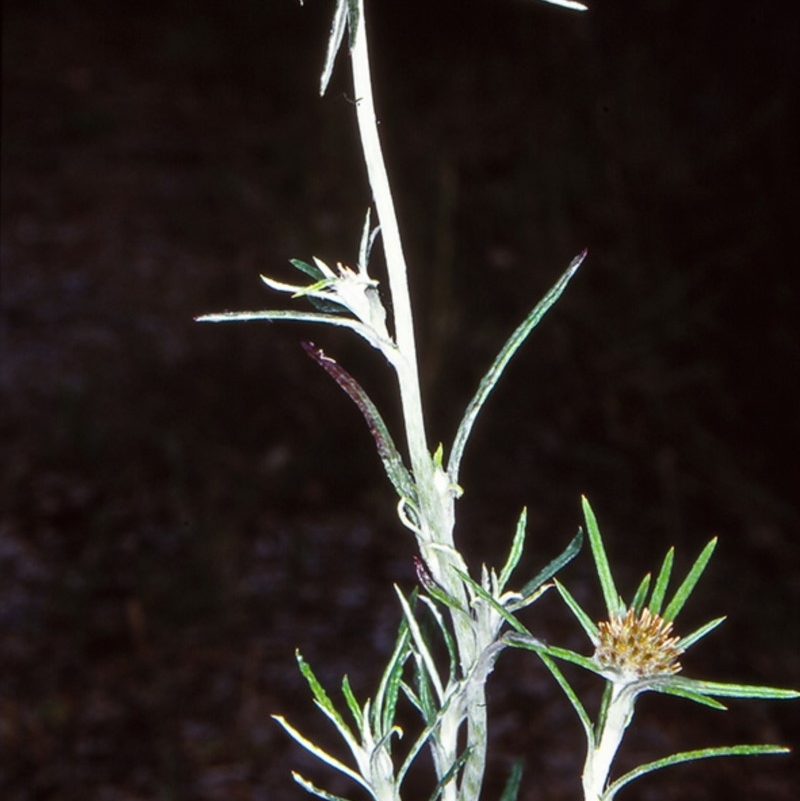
515, 553
540, 647
449, 641
429, 704
602, 714
580, 710
508, 350
690, 639
320, 695
389, 706
689, 583
614, 603
387, 450
421, 647
691, 756
587, 663
352, 703
689, 695
435, 591
547, 572
412, 697
389, 687
511, 790
311, 270
641, 594
588, 625
729, 690
313, 790
660, 590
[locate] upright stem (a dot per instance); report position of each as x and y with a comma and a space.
436, 498
601, 754
407, 367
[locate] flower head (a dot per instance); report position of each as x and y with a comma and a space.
638, 645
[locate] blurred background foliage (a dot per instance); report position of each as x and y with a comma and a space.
182, 505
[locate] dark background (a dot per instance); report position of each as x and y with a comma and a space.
184, 504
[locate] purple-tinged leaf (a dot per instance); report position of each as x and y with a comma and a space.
392, 461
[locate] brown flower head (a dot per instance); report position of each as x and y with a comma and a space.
638, 646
